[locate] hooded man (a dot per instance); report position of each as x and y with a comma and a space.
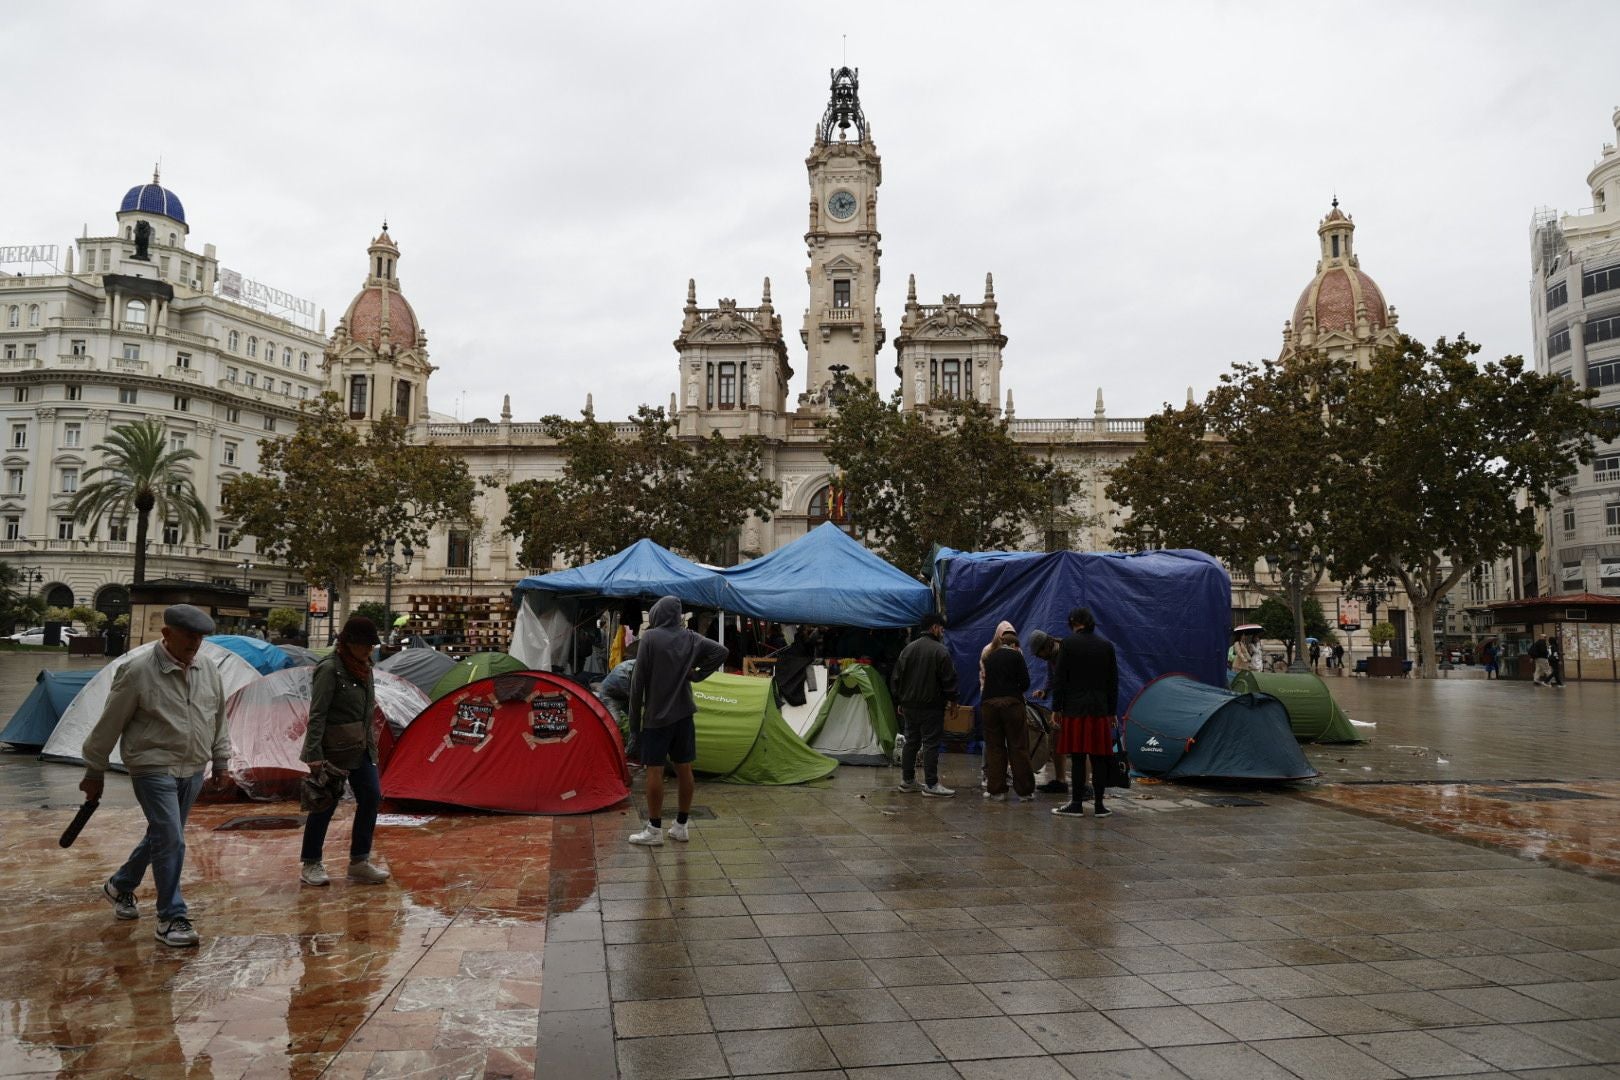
1004, 681
669, 659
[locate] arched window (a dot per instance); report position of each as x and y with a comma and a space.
233, 341
253, 345
829, 504
33, 314
135, 312
171, 240
286, 357
13, 317
303, 361
269, 352
129, 232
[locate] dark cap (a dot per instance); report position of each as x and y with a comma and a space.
186, 617
359, 630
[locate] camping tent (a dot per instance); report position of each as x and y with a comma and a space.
1312, 712
300, 655
264, 656
472, 668
270, 715
36, 717
67, 740
826, 578
855, 724
1179, 727
1163, 610
742, 738
523, 743
423, 667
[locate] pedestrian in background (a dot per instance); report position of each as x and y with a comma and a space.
1006, 678
1044, 647
342, 739
1542, 655
1085, 697
924, 686
168, 709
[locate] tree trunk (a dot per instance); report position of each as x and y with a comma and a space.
142, 521
1298, 645
1423, 612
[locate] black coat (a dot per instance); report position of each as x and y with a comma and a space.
1085, 678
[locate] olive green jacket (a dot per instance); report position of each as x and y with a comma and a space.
340, 717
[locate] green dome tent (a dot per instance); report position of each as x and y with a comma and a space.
856, 723
742, 738
1312, 712
472, 668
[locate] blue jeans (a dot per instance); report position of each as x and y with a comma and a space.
367, 798
167, 802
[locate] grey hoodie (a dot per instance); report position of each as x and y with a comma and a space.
669, 659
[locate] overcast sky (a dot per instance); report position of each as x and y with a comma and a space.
1145, 180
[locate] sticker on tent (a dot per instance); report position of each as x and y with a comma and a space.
549, 716
472, 722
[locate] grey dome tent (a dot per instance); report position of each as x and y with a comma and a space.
422, 667
1312, 712
1178, 727
856, 723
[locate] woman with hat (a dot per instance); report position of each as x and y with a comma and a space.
342, 740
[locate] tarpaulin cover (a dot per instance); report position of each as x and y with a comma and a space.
67, 741
742, 738
644, 569
264, 656
1163, 610
480, 665
422, 667
1312, 712
856, 722
36, 717
521, 743
826, 578
1180, 727
270, 716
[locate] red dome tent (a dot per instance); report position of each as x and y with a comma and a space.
523, 743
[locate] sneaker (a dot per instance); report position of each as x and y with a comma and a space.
938, 790
1071, 810
678, 831
314, 873
1054, 787
1102, 811
908, 786
123, 902
177, 932
367, 872
1024, 798
996, 798
649, 836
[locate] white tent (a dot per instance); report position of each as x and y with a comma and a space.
67, 741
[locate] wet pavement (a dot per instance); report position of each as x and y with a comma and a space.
843, 930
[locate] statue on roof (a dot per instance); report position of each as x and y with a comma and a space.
143, 242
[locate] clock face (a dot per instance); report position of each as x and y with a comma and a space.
841, 205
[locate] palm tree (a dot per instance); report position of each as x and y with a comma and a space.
139, 472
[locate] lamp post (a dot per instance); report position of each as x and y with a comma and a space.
380, 560
1374, 594
1442, 612
33, 576
246, 566
1294, 565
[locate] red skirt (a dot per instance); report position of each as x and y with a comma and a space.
1085, 735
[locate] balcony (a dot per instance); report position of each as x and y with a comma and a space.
19, 363
133, 327
180, 374
81, 324
1605, 474
1612, 530
76, 361
132, 367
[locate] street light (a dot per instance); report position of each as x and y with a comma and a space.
1294, 566
380, 560
246, 566
33, 576
1374, 593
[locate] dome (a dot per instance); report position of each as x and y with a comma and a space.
365, 316
1332, 297
153, 198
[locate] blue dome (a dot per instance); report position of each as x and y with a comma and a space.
154, 199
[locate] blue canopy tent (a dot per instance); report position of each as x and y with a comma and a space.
36, 717
826, 578
1178, 727
1163, 610
267, 659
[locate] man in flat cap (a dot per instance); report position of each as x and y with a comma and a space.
168, 707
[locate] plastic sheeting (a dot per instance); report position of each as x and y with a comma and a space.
67, 741
421, 667
644, 569
1178, 727
742, 738
827, 579
269, 718
264, 656
37, 716
1165, 611
523, 743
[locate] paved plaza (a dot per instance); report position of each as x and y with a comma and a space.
1433, 907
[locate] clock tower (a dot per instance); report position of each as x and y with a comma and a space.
843, 328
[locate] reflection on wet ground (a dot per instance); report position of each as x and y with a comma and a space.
850, 932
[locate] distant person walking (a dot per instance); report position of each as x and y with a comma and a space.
1085, 697
1006, 679
1555, 662
669, 659
168, 710
341, 746
924, 685
1489, 657
1542, 655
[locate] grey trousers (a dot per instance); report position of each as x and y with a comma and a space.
925, 726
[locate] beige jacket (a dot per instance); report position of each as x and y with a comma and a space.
171, 719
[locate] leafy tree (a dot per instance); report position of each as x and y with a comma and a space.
1277, 621
950, 476
1248, 473
139, 474
381, 616
1380, 634
622, 482
328, 491
284, 621
1453, 459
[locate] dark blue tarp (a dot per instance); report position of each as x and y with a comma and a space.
36, 717
1179, 727
267, 659
1163, 610
827, 579
644, 569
